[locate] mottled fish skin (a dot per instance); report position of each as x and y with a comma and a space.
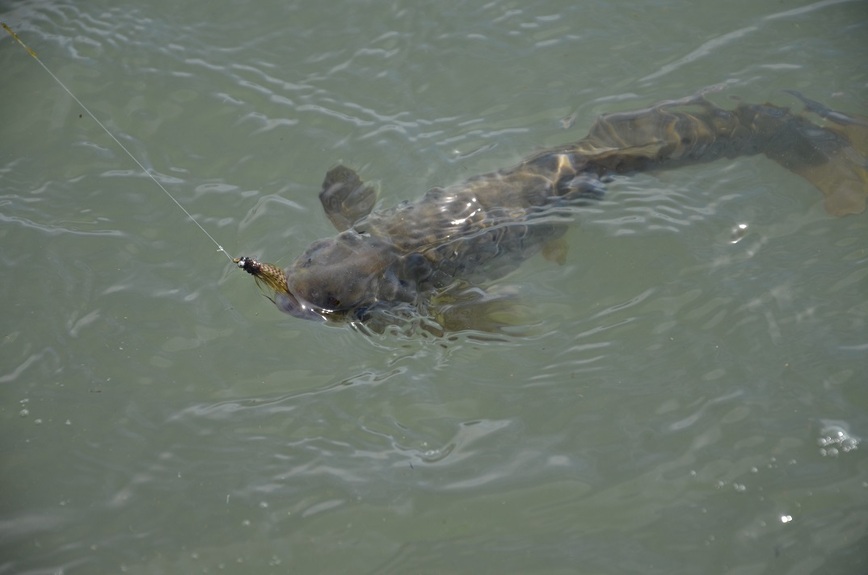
484, 227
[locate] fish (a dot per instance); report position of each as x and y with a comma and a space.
428, 258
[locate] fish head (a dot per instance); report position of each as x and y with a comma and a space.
345, 276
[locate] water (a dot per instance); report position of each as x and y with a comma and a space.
680, 404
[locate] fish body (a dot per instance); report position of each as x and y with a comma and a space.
411, 255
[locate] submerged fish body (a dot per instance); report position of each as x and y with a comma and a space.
412, 255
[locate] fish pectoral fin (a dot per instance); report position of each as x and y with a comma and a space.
466, 307
556, 250
345, 198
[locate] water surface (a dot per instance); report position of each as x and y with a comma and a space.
680, 403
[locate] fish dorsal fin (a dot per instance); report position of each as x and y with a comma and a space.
345, 198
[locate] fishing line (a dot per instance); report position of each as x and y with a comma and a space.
112, 136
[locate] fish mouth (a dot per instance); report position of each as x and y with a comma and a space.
290, 303
274, 278
287, 302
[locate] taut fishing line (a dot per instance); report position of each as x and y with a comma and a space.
112, 136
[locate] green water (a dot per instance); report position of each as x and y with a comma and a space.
680, 404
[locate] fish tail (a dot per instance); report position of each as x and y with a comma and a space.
833, 157
830, 156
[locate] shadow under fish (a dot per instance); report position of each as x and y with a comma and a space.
424, 260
